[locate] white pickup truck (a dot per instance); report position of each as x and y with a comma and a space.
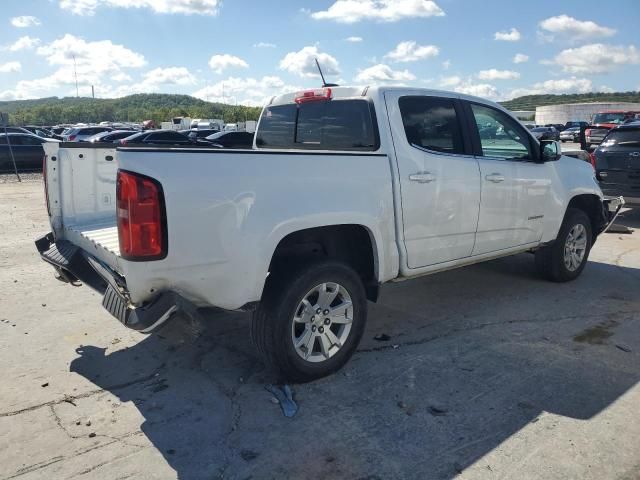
345, 189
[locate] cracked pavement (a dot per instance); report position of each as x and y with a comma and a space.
489, 373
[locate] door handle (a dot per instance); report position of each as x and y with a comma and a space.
422, 177
495, 177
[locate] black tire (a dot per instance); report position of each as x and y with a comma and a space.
550, 260
271, 327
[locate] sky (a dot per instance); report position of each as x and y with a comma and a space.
244, 51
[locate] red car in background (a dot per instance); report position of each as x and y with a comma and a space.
604, 121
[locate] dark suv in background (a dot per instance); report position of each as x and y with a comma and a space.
617, 163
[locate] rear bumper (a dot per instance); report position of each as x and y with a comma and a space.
73, 264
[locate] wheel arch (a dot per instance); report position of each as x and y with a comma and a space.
591, 204
353, 243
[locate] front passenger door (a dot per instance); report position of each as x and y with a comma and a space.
515, 186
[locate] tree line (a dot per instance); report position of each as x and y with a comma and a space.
530, 102
133, 108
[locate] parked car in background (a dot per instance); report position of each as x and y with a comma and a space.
231, 139
546, 133
571, 134
82, 134
576, 123
157, 137
39, 131
15, 130
195, 134
603, 122
558, 126
27, 151
111, 136
617, 163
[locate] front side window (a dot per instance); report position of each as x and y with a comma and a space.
500, 135
431, 123
326, 125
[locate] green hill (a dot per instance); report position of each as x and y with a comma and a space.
162, 107
530, 102
135, 108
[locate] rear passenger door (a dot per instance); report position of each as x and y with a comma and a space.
515, 187
439, 177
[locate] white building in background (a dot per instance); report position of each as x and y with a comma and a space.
581, 112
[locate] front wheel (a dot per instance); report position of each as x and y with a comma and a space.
566, 257
310, 319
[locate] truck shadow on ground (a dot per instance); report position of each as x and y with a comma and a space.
474, 357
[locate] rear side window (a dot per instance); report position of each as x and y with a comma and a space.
431, 123
622, 137
328, 125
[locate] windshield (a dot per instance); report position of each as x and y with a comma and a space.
622, 137
609, 117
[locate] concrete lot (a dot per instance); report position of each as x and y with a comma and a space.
490, 373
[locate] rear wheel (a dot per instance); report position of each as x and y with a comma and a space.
310, 320
565, 258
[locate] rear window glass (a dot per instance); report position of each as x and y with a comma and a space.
330, 125
622, 137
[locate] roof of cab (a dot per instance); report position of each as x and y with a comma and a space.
377, 91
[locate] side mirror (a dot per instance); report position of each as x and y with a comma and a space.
549, 150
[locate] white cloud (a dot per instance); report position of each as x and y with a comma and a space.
411, 52
354, 39
512, 35
168, 76
303, 63
91, 69
381, 73
555, 86
450, 82
25, 21
264, 45
10, 67
493, 74
468, 87
596, 58
245, 91
574, 29
23, 43
187, 7
483, 90
520, 58
219, 63
351, 11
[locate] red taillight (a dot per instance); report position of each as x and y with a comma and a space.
592, 158
140, 213
46, 187
72, 137
123, 142
316, 95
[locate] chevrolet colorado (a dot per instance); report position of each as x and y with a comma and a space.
344, 189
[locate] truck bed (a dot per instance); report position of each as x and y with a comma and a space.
92, 237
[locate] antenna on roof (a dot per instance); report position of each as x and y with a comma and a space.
324, 83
